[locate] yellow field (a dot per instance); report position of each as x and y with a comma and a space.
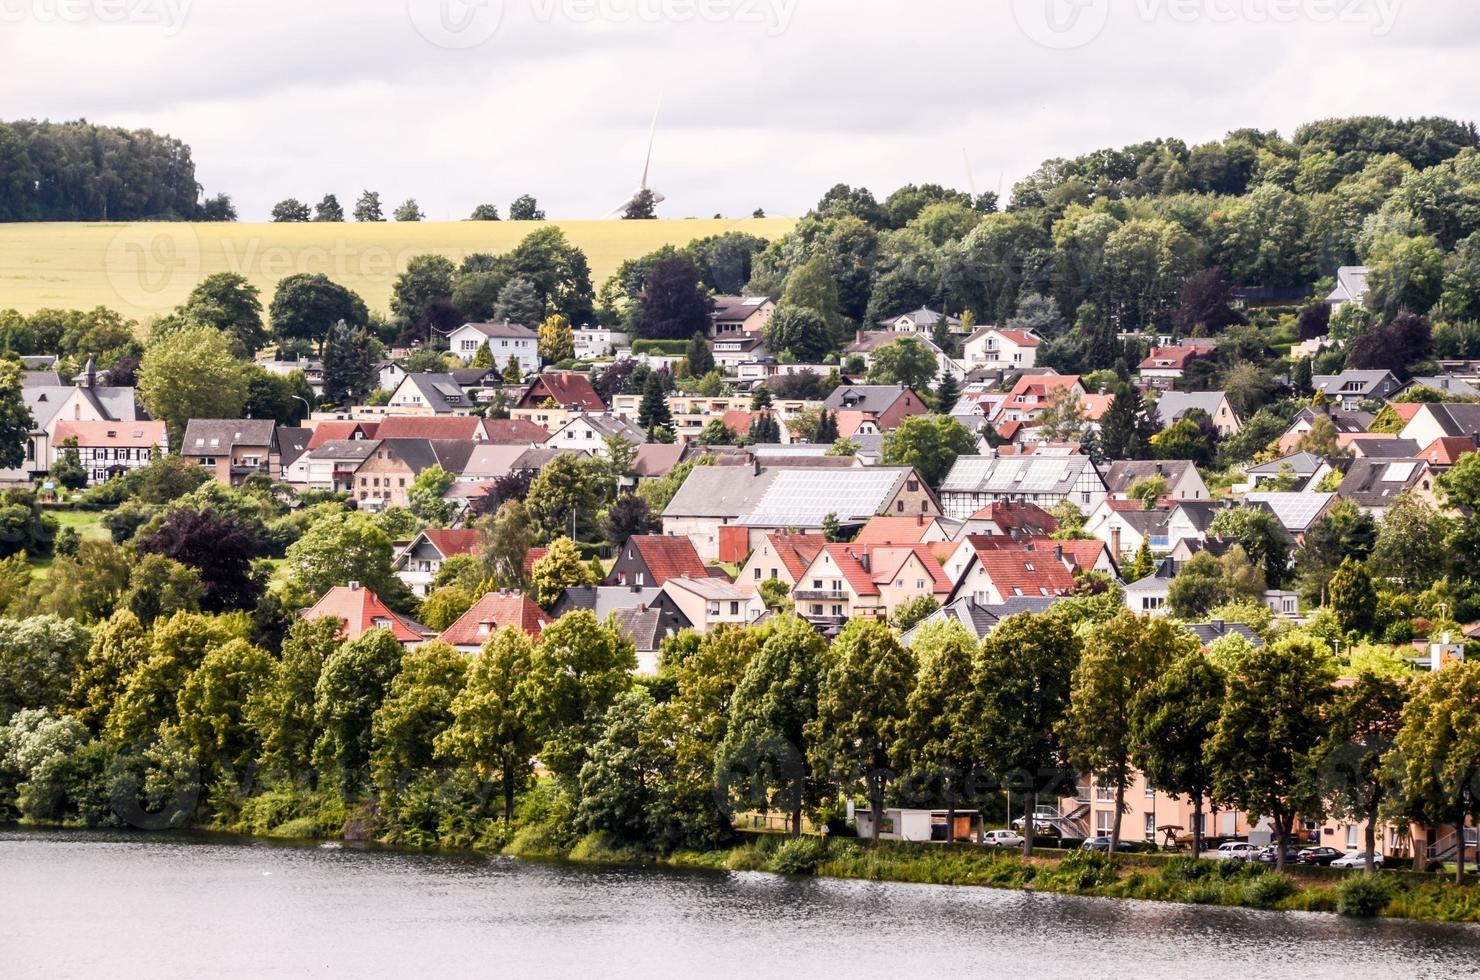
145, 269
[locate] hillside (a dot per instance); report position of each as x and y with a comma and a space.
148, 268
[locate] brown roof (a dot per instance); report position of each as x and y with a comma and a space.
360, 611
461, 541
1441, 452
668, 557
430, 427
493, 612
514, 432
341, 431
566, 389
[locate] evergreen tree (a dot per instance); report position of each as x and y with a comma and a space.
512, 374
765, 430
329, 209
652, 413
701, 358
826, 432
947, 391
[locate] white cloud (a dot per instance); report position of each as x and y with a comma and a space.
765, 102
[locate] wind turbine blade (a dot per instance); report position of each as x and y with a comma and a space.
652, 137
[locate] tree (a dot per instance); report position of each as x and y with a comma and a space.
290, 210
342, 548
906, 361
525, 208
217, 545
1263, 754
800, 333
67, 471
1127, 426
427, 278
913, 612
1344, 532
1021, 684
628, 515
1197, 588
15, 418
813, 286
484, 212
367, 208
557, 341
652, 412
427, 496
349, 365
765, 745
507, 537
1262, 537
213, 707
353, 683
1405, 341
518, 302
674, 304
409, 211
185, 375
416, 712
1207, 303
1437, 754
642, 207
492, 731
1120, 660
561, 568
229, 303
1353, 599
38, 657
1143, 564
1172, 720
937, 738
862, 704
1364, 723
328, 209
700, 357
282, 713
947, 392
765, 430
929, 443
1062, 420
579, 667
306, 307
1410, 547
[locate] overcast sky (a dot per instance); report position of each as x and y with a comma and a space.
765, 103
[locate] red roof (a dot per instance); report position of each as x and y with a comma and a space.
1025, 573
1083, 555
454, 542
739, 422
1406, 411
895, 530
1020, 337
341, 432
532, 556
1448, 450
431, 427
1170, 358
492, 613
117, 435
566, 389
668, 557
1009, 517
869, 566
514, 432
361, 611
796, 551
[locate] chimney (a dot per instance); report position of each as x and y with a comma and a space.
354, 586
1218, 627
1115, 540
1058, 551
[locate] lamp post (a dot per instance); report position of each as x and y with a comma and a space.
307, 408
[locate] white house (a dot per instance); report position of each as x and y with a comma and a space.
1351, 287
999, 349
598, 341
504, 340
589, 433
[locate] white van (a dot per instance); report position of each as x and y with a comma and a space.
1236, 851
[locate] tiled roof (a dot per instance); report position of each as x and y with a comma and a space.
511, 331
533, 555
895, 530
493, 612
668, 557
361, 611
1020, 337
119, 435
867, 567
430, 427
566, 389
449, 542
796, 551
1169, 358
1011, 516
514, 432
1448, 450
214, 437
1025, 573
334, 431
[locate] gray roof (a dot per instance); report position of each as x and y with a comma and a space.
38, 379
980, 619
1351, 284
864, 398
1456, 419
535, 457
1209, 633
1303, 463
422, 454
604, 599
1344, 421
505, 330
720, 491
39, 362
113, 404
1447, 384
1370, 383
1018, 474
212, 437
1385, 448
1199, 512
1121, 475
1376, 483
803, 498
440, 392
1172, 405
348, 450
924, 317
292, 442
1296, 511
609, 425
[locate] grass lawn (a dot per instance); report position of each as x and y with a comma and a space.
146, 268
88, 523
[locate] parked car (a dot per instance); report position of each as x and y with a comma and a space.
1270, 855
1236, 851
1356, 859
1040, 814
1095, 844
1318, 856
1002, 838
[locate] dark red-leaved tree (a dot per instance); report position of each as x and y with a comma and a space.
1207, 302
1395, 347
217, 547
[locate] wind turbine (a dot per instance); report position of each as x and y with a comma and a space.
647, 166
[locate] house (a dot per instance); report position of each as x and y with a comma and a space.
335, 430
975, 482
109, 449
867, 342
591, 432
1378, 445
710, 602
1447, 385
292, 445
918, 529
1306, 469
1350, 389
782, 557
83, 401
430, 394
1209, 633
1031, 395
596, 342
981, 619
1373, 484
1442, 420
734, 349
359, 611
1167, 365
637, 612
1444, 454
921, 826
420, 561
468, 427
1182, 478
491, 613
851, 581
331, 465
994, 575
652, 559
727, 510
740, 314
885, 406
1172, 406
565, 391
1351, 288
1346, 422
1125, 525
1018, 521
921, 321
1149, 596
386, 475
1001, 349
514, 432
1297, 512
390, 375
232, 449
505, 341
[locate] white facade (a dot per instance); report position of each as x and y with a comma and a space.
504, 340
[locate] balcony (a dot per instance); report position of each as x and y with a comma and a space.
812, 595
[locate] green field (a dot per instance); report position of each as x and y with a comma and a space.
144, 269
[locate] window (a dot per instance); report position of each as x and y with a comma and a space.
758, 575
1104, 822
1151, 826
734, 609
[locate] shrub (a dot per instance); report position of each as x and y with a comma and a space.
1267, 890
1363, 896
799, 856
1186, 869
1203, 893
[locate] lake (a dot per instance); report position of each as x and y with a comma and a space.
128, 905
